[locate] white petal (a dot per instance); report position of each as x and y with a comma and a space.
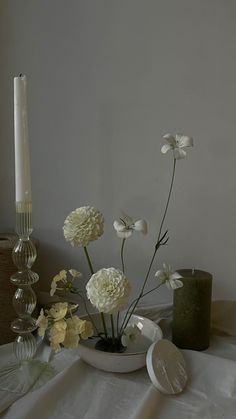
175, 283
184, 140
167, 268
165, 148
124, 234
124, 340
75, 273
127, 219
170, 139
168, 285
175, 275
141, 225
160, 275
118, 226
179, 153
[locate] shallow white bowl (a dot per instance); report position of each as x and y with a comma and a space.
132, 359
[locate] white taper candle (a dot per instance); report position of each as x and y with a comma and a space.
22, 160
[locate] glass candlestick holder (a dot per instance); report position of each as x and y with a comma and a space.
23, 375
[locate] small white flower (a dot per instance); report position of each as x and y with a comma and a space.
74, 273
42, 323
83, 225
60, 277
169, 277
57, 334
130, 335
126, 226
85, 329
108, 290
76, 328
62, 280
177, 143
58, 311
71, 339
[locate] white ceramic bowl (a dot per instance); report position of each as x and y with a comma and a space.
132, 359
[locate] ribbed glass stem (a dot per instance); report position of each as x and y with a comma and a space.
24, 299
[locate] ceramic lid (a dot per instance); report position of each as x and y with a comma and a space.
166, 367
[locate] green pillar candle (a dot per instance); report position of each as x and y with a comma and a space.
192, 310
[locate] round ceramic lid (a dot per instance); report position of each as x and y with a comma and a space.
166, 367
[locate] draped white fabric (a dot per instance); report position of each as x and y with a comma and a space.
79, 391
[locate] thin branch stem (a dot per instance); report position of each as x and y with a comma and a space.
157, 245
168, 200
123, 269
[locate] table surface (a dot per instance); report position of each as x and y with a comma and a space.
83, 392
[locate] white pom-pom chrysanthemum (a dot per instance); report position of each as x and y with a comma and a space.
83, 225
108, 290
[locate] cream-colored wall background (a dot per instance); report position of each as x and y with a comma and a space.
106, 79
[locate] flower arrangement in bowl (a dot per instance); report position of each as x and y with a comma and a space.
115, 328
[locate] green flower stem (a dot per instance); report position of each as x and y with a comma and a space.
112, 330
88, 260
157, 245
104, 324
123, 269
117, 322
122, 255
153, 289
168, 200
92, 272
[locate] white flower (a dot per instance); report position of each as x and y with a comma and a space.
65, 282
177, 143
108, 290
85, 329
57, 334
74, 273
71, 339
76, 328
126, 226
58, 311
42, 323
83, 225
130, 335
61, 276
169, 277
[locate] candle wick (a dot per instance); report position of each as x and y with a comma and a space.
20, 75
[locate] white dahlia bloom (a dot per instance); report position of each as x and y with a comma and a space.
108, 290
83, 225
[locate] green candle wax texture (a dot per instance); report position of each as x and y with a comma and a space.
192, 310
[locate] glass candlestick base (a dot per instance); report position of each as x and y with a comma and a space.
23, 375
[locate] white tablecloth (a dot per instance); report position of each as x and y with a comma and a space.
83, 392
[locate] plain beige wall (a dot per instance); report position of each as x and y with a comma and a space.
106, 79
